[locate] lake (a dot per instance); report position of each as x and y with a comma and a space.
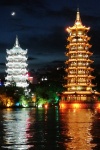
49, 129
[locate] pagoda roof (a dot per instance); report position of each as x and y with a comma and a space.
80, 76
79, 84
78, 43
79, 60
77, 68
78, 23
83, 52
80, 36
80, 92
16, 48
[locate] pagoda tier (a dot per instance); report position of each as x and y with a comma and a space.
81, 54
81, 70
16, 66
78, 85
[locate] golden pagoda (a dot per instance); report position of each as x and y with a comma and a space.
78, 86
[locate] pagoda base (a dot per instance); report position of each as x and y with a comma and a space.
79, 105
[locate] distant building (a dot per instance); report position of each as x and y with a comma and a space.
78, 85
16, 66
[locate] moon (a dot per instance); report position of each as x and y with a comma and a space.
13, 13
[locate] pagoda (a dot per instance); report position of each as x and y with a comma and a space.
78, 85
16, 66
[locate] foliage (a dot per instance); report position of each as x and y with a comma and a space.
14, 92
12, 95
6, 101
48, 91
41, 101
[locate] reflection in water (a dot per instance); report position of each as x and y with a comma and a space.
49, 129
96, 130
14, 129
30, 129
78, 124
45, 129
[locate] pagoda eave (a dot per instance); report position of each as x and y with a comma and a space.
77, 68
80, 93
83, 60
77, 85
76, 52
80, 76
76, 27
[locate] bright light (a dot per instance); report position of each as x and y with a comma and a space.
13, 13
76, 105
62, 105
72, 105
79, 88
17, 104
24, 104
44, 79
98, 106
8, 105
46, 106
40, 106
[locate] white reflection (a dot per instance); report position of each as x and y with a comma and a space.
14, 125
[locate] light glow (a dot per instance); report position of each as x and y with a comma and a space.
24, 103
40, 106
8, 104
98, 106
46, 106
76, 105
62, 105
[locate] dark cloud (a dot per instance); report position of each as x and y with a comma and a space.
31, 58
54, 41
22, 28
3, 47
57, 62
14, 2
50, 42
64, 12
2, 64
24, 3
95, 41
15, 20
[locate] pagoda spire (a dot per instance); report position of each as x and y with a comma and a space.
16, 42
78, 18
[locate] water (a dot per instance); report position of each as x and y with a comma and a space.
49, 129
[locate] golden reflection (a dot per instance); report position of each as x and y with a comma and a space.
78, 129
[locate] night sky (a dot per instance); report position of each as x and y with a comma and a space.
40, 26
